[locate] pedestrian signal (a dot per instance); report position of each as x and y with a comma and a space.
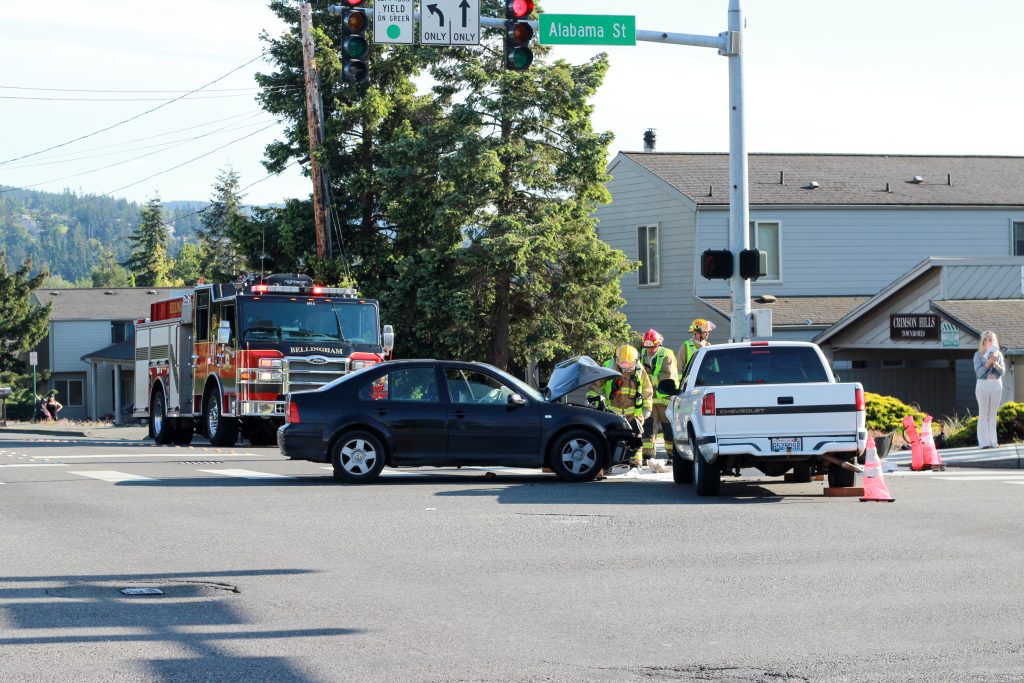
753, 264
716, 264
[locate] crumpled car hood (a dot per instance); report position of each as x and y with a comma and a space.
574, 373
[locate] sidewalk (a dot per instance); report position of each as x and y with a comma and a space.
92, 430
1009, 456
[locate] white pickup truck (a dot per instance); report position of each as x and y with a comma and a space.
775, 406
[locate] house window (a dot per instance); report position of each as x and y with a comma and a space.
121, 330
647, 254
1018, 238
70, 392
767, 236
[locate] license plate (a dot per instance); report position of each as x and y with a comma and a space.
786, 444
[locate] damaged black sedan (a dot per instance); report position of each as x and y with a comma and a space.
415, 413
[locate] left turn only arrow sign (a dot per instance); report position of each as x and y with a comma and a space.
448, 22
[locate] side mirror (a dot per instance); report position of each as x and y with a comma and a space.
224, 332
516, 400
667, 386
388, 338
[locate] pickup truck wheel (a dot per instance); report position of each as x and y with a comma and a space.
222, 431
357, 457
682, 468
577, 456
802, 473
840, 477
707, 477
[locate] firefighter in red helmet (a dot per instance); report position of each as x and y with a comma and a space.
660, 364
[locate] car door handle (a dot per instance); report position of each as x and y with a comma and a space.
459, 413
382, 411
785, 400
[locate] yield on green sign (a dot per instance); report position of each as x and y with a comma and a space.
587, 29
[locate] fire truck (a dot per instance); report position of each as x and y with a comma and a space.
220, 359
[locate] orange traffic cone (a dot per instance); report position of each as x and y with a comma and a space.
931, 454
874, 483
916, 447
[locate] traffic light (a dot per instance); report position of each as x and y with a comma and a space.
518, 34
753, 264
355, 48
716, 264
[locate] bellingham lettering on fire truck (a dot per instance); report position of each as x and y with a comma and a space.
219, 359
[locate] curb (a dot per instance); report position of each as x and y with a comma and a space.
45, 432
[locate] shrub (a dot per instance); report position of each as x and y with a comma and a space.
1010, 422
966, 435
885, 413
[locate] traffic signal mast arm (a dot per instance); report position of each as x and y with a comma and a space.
722, 42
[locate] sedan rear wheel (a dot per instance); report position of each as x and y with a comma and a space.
358, 457
578, 455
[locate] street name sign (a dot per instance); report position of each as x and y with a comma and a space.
392, 22
449, 22
587, 29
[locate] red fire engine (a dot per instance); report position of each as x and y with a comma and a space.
221, 359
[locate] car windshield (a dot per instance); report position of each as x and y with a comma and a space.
761, 365
520, 386
309, 320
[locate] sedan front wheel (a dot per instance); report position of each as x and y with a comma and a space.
358, 457
578, 456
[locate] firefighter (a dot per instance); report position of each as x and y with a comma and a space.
701, 330
660, 364
630, 394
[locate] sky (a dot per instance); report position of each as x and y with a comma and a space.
873, 76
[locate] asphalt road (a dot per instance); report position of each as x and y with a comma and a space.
272, 572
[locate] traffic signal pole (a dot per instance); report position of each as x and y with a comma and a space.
729, 44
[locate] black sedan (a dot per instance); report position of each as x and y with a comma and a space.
414, 413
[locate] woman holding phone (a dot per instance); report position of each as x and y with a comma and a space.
989, 366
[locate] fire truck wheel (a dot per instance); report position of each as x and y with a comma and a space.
161, 426
222, 431
358, 457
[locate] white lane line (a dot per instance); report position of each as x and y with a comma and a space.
35, 464
1011, 478
140, 455
113, 477
247, 474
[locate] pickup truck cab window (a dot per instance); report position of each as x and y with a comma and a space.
761, 365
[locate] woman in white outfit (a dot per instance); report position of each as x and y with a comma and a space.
989, 367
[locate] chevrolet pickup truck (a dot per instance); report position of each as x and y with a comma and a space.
773, 406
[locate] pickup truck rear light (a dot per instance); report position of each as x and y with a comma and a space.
858, 399
707, 406
760, 343
292, 417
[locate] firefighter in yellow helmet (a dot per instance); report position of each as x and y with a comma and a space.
660, 364
631, 394
701, 330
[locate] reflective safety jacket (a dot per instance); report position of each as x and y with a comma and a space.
689, 348
661, 367
631, 395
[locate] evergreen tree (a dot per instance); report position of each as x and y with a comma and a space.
225, 216
148, 262
110, 273
187, 267
23, 326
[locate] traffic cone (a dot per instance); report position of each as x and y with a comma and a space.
931, 454
916, 448
874, 483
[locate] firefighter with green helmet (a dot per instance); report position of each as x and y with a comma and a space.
660, 364
631, 394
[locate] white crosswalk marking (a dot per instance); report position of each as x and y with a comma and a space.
179, 454
35, 464
112, 476
247, 474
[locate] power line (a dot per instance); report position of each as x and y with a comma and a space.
241, 189
148, 111
177, 166
126, 99
21, 87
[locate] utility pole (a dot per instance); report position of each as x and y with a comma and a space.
313, 124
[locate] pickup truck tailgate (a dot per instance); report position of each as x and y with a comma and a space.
776, 419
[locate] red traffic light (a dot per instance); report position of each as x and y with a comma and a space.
521, 32
354, 3
518, 8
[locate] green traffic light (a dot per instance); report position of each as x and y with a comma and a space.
519, 58
356, 47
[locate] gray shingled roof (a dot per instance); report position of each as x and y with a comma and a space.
822, 311
1005, 317
121, 351
91, 303
845, 179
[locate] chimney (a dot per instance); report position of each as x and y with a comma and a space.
649, 139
